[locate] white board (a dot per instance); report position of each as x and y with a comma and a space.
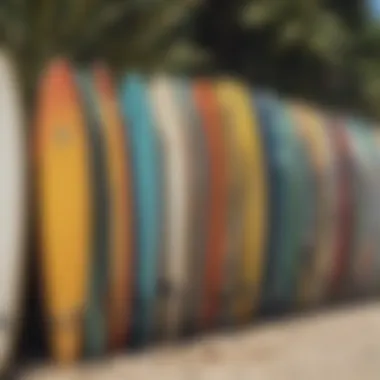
176, 200
12, 207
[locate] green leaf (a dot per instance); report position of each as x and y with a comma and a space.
261, 13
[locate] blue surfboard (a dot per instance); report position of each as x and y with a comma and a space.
265, 104
144, 147
288, 183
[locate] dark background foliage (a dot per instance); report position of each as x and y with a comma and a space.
325, 50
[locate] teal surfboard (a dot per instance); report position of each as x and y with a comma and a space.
364, 239
298, 214
139, 122
265, 105
95, 340
280, 278
373, 213
306, 210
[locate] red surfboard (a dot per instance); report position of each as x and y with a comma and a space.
345, 217
206, 102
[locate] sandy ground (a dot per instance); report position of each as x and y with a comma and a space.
340, 344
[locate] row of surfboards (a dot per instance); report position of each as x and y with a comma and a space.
167, 206
170, 205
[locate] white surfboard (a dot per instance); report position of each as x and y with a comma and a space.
12, 207
175, 202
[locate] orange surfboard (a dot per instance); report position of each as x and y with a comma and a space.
64, 206
120, 287
208, 108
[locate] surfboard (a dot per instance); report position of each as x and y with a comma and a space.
176, 168
315, 271
13, 205
144, 145
375, 132
373, 209
363, 242
65, 208
296, 240
345, 213
280, 276
305, 213
199, 201
235, 206
206, 102
95, 328
235, 100
264, 102
332, 204
119, 305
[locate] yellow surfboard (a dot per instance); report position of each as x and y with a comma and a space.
235, 210
63, 190
314, 279
237, 102
120, 286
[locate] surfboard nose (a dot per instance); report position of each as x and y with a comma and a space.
58, 74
